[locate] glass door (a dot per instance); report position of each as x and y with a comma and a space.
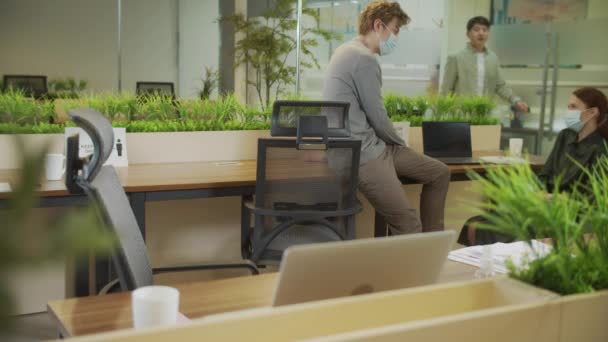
524, 51
547, 51
579, 59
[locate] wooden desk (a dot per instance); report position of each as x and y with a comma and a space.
178, 181
90, 315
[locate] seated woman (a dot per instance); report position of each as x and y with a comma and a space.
584, 140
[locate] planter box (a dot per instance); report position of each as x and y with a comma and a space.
180, 147
149, 148
432, 307
573, 318
584, 317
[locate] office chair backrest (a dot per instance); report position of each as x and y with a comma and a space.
102, 187
316, 180
130, 257
30, 85
101, 133
315, 172
285, 116
160, 88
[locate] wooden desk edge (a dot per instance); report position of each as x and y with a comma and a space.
451, 272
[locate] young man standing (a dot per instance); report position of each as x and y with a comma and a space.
354, 76
476, 70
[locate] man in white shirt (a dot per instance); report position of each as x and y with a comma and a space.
476, 70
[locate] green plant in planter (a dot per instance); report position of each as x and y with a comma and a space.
209, 83
392, 104
225, 108
518, 205
116, 107
156, 107
443, 106
466, 105
267, 42
400, 106
483, 105
421, 105
189, 109
67, 88
408, 106
27, 244
16, 108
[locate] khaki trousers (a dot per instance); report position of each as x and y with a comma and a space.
379, 183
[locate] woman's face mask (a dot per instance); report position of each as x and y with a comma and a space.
574, 120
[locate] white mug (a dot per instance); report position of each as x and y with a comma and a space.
54, 166
154, 306
515, 147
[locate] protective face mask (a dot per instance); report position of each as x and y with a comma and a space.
573, 120
389, 45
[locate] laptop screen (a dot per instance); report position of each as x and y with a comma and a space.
446, 139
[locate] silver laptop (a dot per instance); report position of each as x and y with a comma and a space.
344, 268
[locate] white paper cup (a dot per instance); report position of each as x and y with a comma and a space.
54, 166
154, 306
515, 147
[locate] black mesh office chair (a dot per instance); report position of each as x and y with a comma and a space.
305, 187
30, 85
159, 88
102, 185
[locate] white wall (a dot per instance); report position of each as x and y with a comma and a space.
149, 42
199, 43
60, 38
79, 38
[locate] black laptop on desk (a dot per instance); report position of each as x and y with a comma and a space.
449, 142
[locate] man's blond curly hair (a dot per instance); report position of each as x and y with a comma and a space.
383, 10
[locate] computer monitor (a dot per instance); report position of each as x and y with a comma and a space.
155, 88
447, 139
31, 85
344, 268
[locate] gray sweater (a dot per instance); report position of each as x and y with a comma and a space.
354, 76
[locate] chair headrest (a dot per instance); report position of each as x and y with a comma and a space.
286, 114
101, 133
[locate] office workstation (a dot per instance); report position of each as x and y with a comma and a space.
162, 151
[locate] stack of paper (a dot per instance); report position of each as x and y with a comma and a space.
519, 253
502, 160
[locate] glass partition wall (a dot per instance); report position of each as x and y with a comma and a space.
545, 62
112, 44
411, 70
547, 49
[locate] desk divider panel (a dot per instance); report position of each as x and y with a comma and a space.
431, 308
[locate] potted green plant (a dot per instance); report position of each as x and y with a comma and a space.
209, 83
26, 245
67, 88
267, 42
576, 222
483, 105
421, 105
392, 104
443, 106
